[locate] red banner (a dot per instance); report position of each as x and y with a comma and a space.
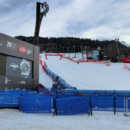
22, 49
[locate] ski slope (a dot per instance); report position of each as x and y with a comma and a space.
44, 79
88, 75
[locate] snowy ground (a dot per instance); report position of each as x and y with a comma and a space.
14, 120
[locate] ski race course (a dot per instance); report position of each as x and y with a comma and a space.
88, 76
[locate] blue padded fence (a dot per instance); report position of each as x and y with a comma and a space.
68, 102
7, 100
102, 100
35, 103
120, 104
61, 81
10, 98
72, 105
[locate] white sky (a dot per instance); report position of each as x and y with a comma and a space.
96, 19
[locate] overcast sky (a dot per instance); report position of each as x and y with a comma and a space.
95, 19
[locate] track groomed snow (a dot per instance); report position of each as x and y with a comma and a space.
90, 75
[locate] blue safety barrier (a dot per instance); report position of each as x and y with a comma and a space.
68, 101
10, 98
35, 103
96, 92
102, 103
120, 103
28, 92
101, 100
61, 81
72, 105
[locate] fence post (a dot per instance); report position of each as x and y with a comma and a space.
114, 104
90, 105
125, 106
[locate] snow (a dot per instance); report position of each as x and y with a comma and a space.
125, 44
11, 119
90, 75
44, 79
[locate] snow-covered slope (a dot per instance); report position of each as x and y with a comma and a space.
44, 79
90, 75
125, 44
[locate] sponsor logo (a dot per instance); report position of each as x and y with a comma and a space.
22, 49
25, 68
14, 66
